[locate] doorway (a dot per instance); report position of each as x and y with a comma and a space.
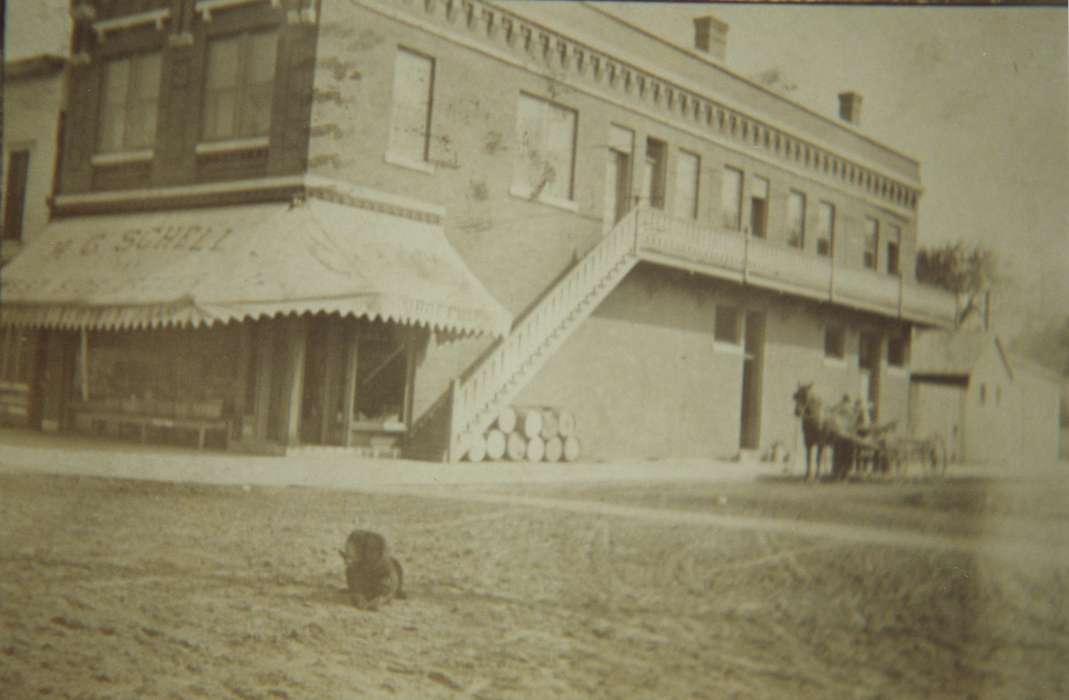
617, 187
323, 391
753, 355
868, 361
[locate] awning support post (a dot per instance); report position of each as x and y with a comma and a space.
83, 364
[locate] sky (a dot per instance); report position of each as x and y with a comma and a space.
979, 95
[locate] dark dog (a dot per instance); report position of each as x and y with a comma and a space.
374, 577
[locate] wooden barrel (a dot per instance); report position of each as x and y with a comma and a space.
476, 447
536, 449
530, 421
554, 449
495, 445
515, 447
565, 423
506, 420
571, 448
549, 423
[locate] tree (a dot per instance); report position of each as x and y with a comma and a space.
969, 272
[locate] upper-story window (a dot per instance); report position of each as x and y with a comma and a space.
826, 229
871, 242
239, 85
546, 135
413, 94
688, 168
731, 199
16, 176
894, 238
130, 103
796, 219
759, 207
654, 172
618, 173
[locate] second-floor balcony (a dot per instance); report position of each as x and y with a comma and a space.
700, 248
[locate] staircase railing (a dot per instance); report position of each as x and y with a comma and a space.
476, 393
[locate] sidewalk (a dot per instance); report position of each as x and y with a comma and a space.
29, 451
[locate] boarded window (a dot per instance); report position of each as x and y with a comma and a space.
731, 199
796, 219
413, 91
688, 167
835, 342
546, 136
130, 103
826, 229
728, 327
18, 169
872, 242
239, 86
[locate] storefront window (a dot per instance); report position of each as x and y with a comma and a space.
381, 374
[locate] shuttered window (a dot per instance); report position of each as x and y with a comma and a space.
413, 91
688, 167
239, 86
731, 199
18, 169
826, 229
130, 104
893, 242
871, 242
796, 219
545, 134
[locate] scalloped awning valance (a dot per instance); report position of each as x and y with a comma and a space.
207, 266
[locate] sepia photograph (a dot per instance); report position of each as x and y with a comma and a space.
524, 349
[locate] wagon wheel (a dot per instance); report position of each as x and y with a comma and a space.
937, 457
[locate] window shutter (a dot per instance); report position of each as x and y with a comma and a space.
18, 168
113, 111
730, 199
560, 141
687, 166
412, 90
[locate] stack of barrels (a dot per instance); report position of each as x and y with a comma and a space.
526, 434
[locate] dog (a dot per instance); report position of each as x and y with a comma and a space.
374, 577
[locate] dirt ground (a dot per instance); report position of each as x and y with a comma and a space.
126, 589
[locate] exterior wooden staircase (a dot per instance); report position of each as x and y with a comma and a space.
498, 377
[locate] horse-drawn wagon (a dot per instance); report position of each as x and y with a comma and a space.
858, 446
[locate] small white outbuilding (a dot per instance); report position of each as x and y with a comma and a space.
989, 405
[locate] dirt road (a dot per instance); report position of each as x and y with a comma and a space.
116, 589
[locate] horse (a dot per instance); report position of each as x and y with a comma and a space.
825, 428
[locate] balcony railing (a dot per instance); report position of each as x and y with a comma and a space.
729, 255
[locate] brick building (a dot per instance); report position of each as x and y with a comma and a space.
378, 222
34, 92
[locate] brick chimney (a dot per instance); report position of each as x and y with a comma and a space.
850, 107
711, 37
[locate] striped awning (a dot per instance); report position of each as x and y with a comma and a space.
205, 266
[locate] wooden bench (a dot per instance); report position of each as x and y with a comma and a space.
143, 422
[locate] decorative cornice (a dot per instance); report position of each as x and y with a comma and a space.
544, 50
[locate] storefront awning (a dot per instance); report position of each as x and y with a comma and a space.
201, 267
